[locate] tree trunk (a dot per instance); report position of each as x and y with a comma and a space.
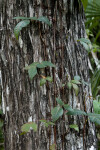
24, 100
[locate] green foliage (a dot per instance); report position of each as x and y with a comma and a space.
30, 125
50, 79
85, 42
1, 112
96, 106
74, 83
95, 82
67, 107
69, 85
44, 19
26, 21
42, 81
1, 124
95, 118
93, 9
56, 113
60, 102
19, 27
26, 18
77, 78
76, 88
47, 123
32, 72
85, 3
47, 64
76, 112
74, 126
52, 147
32, 69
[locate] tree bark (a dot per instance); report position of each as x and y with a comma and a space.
24, 100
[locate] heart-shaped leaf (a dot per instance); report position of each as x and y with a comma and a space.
75, 82
47, 64
74, 126
69, 85
76, 88
56, 113
77, 78
32, 72
42, 81
30, 125
50, 79
60, 102
44, 19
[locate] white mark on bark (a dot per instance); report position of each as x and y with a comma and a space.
31, 11
20, 42
30, 119
32, 101
3, 103
7, 108
92, 148
7, 90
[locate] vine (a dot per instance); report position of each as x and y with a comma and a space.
61, 108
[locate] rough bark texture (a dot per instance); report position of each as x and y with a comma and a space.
24, 100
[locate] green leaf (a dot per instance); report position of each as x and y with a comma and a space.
86, 46
44, 122
52, 147
22, 133
69, 85
44, 19
19, 27
76, 112
85, 43
76, 88
86, 83
60, 102
20, 17
26, 18
56, 113
40, 65
1, 112
85, 40
50, 123
32, 72
47, 64
74, 126
30, 125
94, 118
85, 3
47, 123
93, 9
95, 82
1, 124
77, 78
67, 107
96, 106
42, 81
31, 65
50, 79
75, 82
